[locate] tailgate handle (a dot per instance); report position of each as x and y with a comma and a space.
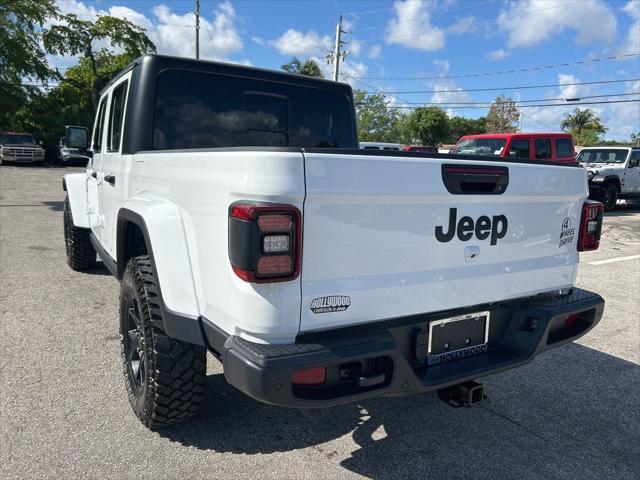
475, 179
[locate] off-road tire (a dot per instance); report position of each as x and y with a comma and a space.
171, 385
80, 253
610, 197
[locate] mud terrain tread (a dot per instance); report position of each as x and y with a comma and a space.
177, 369
80, 253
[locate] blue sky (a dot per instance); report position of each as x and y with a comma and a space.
420, 38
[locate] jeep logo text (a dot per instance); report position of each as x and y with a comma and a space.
484, 227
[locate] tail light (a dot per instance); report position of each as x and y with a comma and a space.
590, 226
265, 242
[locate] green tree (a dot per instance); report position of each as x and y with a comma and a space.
77, 37
583, 125
426, 125
307, 67
70, 102
635, 138
503, 116
22, 59
376, 122
460, 126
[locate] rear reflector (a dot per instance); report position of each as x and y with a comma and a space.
590, 226
572, 319
309, 376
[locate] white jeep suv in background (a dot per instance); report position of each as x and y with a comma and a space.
613, 173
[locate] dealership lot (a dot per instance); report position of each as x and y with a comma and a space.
572, 413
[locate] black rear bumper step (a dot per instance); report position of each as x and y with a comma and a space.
533, 325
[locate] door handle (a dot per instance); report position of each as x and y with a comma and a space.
110, 179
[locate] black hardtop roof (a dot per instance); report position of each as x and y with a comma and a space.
158, 63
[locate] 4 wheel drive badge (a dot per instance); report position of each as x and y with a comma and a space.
332, 303
568, 232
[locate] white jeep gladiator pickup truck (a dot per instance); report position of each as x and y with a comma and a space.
239, 215
613, 172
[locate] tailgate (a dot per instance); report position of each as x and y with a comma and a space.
378, 240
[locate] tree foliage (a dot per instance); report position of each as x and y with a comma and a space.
503, 116
584, 125
426, 125
376, 122
77, 37
21, 56
308, 67
460, 126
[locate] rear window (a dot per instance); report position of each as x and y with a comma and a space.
203, 110
481, 146
564, 148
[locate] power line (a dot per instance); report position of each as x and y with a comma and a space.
569, 100
522, 87
506, 72
402, 107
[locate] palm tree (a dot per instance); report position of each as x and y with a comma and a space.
581, 120
307, 67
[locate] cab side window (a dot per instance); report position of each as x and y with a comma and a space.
96, 144
519, 148
634, 161
116, 117
543, 148
564, 148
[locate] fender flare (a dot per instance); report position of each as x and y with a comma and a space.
160, 222
75, 184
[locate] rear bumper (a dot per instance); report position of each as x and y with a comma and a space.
519, 331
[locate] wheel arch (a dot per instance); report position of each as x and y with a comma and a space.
75, 184
155, 228
615, 180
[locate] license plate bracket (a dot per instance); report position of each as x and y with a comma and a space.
458, 337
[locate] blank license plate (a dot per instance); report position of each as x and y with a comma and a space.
458, 337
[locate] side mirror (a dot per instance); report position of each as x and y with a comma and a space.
76, 137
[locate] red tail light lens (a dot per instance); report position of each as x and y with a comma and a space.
265, 242
590, 226
309, 376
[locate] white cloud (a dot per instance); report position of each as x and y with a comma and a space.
448, 91
571, 91
411, 27
218, 38
374, 51
294, 42
463, 25
497, 55
530, 22
172, 33
355, 47
632, 43
621, 119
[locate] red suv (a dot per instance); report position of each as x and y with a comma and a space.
550, 147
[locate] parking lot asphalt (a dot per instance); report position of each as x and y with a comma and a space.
574, 412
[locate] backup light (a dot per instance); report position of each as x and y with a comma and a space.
275, 243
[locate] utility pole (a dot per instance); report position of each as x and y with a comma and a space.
335, 56
197, 29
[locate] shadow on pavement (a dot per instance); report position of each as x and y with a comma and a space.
573, 413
